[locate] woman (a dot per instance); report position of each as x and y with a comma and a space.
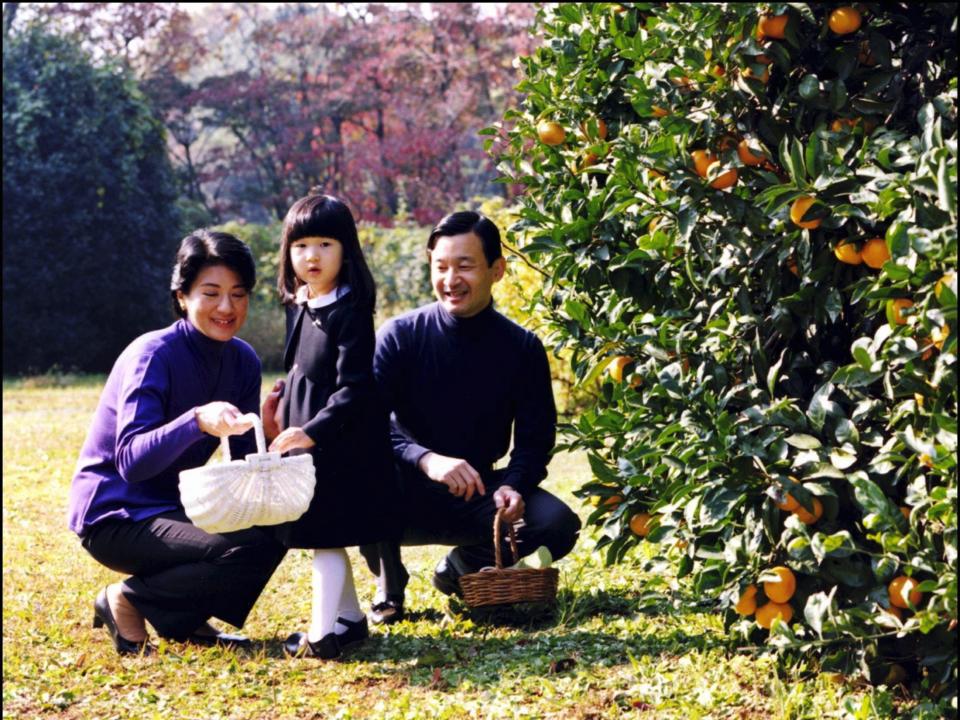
169, 398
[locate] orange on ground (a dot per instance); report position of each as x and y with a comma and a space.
772, 26
789, 503
659, 111
747, 604
847, 252
799, 208
844, 20
894, 316
701, 161
550, 132
901, 592
782, 590
640, 524
807, 517
616, 366
724, 179
767, 613
875, 253
747, 157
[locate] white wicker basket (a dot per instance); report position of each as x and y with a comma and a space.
263, 489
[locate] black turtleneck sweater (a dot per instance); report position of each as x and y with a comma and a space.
456, 386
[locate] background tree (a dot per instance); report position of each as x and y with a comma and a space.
89, 222
748, 216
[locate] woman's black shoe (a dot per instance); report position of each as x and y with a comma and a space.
223, 639
102, 616
326, 648
386, 612
357, 630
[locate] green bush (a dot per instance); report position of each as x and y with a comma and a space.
760, 365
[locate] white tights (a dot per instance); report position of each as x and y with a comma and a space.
334, 594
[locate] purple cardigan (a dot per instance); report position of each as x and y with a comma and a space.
144, 431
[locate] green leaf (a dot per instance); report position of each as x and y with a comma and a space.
818, 606
803, 441
809, 87
869, 496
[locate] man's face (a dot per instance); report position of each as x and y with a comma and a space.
462, 280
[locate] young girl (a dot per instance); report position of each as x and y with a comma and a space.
330, 409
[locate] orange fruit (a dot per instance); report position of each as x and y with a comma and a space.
724, 179
799, 209
901, 592
550, 132
659, 111
748, 73
905, 511
807, 517
767, 613
893, 610
611, 501
747, 604
747, 157
792, 266
875, 253
616, 366
841, 123
701, 161
588, 160
847, 252
640, 524
789, 503
780, 591
772, 26
718, 71
844, 20
894, 316
601, 129
727, 142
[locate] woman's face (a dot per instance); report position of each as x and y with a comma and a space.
216, 303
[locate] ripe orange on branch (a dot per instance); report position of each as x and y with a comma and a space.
808, 517
550, 132
723, 180
902, 593
895, 308
782, 589
845, 20
746, 156
766, 614
846, 252
640, 524
799, 209
875, 252
747, 604
772, 26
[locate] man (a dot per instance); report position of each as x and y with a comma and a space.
457, 375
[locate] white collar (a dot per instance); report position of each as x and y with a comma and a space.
303, 297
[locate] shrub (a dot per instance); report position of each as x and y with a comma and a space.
760, 364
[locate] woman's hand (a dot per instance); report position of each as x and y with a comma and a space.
221, 419
291, 439
271, 411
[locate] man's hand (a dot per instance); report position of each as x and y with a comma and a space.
506, 497
291, 439
270, 412
221, 419
457, 474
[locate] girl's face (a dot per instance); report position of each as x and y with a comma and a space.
216, 304
317, 262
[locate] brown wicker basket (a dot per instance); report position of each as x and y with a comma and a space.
504, 586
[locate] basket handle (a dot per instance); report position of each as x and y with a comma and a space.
258, 429
511, 536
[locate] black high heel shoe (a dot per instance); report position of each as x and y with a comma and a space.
102, 616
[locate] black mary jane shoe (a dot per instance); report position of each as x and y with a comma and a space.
386, 612
356, 631
326, 648
103, 616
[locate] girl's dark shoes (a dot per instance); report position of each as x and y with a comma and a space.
330, 645
103, 616
326, 648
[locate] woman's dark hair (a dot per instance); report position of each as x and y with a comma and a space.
467, 221
325, 216
203, 248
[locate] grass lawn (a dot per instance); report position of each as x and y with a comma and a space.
623, 642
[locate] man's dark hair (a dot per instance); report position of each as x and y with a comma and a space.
467, 221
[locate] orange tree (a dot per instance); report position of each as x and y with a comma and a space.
784, 407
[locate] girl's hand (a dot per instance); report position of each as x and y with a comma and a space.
221, 419
291, 439
271, 411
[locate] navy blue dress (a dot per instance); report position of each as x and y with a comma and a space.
331, 394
